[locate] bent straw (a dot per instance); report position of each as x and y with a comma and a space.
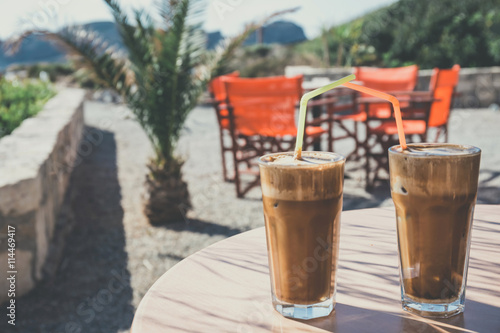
389, 98
303, 108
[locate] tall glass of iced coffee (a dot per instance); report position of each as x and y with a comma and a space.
434, 189
302, 205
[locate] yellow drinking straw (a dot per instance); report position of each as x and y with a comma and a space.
303, 108
389, 98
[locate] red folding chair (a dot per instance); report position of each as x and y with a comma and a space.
382, 79
442, 90
217, 90
418, 119
443, 85
262, 120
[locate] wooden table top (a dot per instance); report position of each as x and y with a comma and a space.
226, 287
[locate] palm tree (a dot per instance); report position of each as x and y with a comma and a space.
160, 77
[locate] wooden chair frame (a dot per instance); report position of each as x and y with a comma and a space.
358, 116
247, 148
385, 141
221, 113
414, 112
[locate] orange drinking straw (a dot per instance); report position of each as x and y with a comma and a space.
389, 98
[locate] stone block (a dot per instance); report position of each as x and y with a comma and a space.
496, 82
36, 161
21, 197
484, 89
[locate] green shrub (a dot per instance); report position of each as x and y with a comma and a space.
428, 33
436, 33
21, 100
54, 71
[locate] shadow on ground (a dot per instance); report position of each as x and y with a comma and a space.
202, 227
90, 291
488, 193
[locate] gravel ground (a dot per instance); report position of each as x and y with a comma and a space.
113, 255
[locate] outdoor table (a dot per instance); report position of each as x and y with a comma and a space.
226, 287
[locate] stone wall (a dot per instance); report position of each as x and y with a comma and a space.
36, 161
478, 87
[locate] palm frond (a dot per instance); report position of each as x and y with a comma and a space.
13, 44
109, 68
180, 51
137, 41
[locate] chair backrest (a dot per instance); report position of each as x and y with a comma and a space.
264, 106
443, 84
388, 79
217, 89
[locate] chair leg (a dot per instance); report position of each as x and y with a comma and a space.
356, 140
237, 181
367, 163
330, 134
225, 169
368, 186
438, 134
236, 170
223, 152
356, 153
316, 144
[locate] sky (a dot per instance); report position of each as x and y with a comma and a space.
228, 16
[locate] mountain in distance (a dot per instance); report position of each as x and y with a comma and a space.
36, 49
279, 32
213, 39
33, 49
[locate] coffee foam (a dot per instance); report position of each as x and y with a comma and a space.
308, 159
434, 169
436, 149
317, 176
